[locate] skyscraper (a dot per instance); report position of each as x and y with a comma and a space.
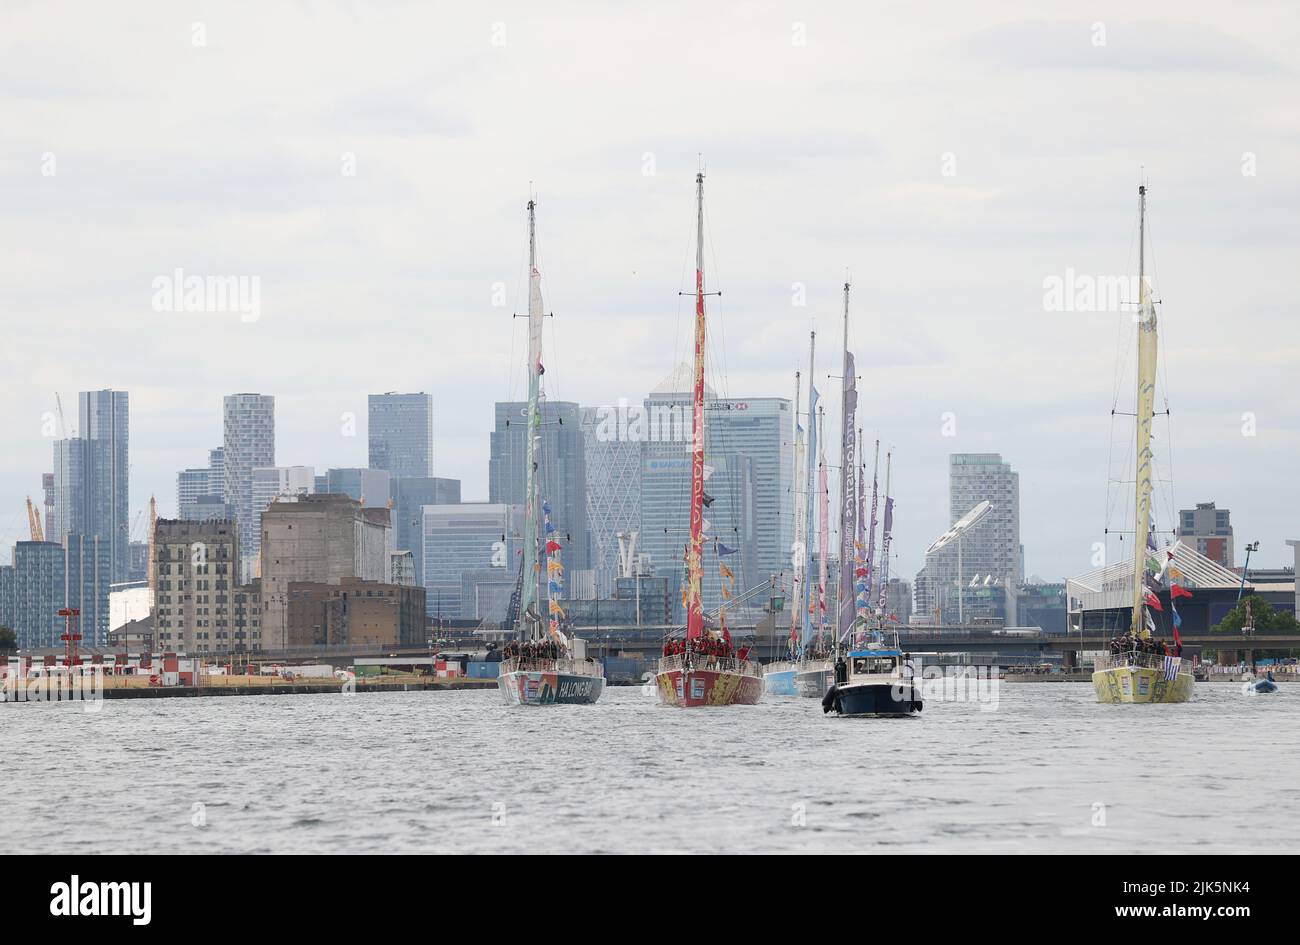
401, 433
89, 489
205, 485
105, 416
748, 453
987, 555
410, 495
562, 470
613, 490
465, 538
249, 443
369, 486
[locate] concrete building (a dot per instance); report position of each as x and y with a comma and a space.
613, 490
196, 571
248, 617
318, 539
402, 569
562, 470
372, 487
469, 537
354, 612
987, 555
1209, 531
410, 494
401, 434
249, 443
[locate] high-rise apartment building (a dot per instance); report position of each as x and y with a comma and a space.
249, 443
1209, 530
105, 422
988, 554
401, 434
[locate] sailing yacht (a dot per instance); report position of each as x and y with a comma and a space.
543, 665
702, 669
781, 678
1138, 669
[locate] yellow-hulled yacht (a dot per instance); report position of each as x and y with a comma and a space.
1137, 669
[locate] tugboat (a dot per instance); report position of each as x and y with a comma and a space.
1139, 669
703, 669
875, 680
543, 665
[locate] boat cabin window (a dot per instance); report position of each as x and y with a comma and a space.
869, 665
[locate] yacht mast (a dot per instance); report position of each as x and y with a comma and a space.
1146, 389
694, 554
528, 612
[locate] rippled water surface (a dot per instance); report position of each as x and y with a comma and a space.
1047, 770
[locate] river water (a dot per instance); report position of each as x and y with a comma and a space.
1044, 769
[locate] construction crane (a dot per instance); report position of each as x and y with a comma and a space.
34, 521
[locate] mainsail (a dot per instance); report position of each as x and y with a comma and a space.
1146, 394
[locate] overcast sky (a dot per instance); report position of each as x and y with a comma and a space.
951, 160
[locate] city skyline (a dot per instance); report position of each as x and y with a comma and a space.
949, 271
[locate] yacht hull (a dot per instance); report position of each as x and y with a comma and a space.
812, 683
528, 687
873, 699
1123, 685
780, 683
689, 688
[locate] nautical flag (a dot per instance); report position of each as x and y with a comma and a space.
556, 608
546, 508
1177, 590
1171, 667
706, 499
1178, 622
708, 471
552, 546
550, 529
725, 571
726, 594
554, 566
723, 550
554, 587
1152, 601
1150, 624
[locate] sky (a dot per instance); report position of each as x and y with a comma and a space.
369, 163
